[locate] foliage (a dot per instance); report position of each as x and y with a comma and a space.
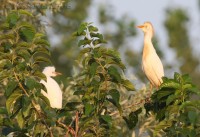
27, 111
63, 24
22, 51
176, 25
33, 6
99, 87
176, 108
98, 83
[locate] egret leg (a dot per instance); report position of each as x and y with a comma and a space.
149, 93
151, 87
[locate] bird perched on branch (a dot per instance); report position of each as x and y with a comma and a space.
151, 63
54, 93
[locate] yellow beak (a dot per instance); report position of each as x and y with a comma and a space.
140, 26
57, 73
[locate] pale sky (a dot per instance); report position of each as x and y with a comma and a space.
153, 11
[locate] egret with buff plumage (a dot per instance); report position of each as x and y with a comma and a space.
151, 63
54, 93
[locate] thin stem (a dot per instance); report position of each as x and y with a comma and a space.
37, 107
77, 127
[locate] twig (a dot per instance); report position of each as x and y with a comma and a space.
77, 120
146, 100
37, 107
69, 128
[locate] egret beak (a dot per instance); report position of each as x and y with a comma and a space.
140, 26
57, 73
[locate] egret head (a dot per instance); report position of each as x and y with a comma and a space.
50, 71
147, 28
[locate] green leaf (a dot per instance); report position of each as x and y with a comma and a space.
20, 120
39, 59
115, 95
107, 119
7, 47
192, 115
84, 42
132, 119
38, 74
186, 78
41, 42
82, 52
21, 66
24, 54
115, 99
88, 109
170, 84
177, 77
114, 74
27, 33
82, 28
93, 68
25, 12
170, 99
92, 29
160, 94
4, 63
26, 110
79, 92
7, 37
44, 98
11, 85
4, 26
3, 110
128, 85
72, 105
23, 44
113, 53
41, 51
31, 83
12, 99
12, 18
115, 62
98, 35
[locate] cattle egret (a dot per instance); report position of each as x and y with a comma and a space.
151, 64
54, 93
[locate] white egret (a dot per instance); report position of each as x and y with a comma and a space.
151, 63
54, 93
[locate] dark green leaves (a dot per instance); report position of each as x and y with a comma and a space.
132, 119
128, 85
113, 72
27, 33
107, 119
11, 85
31, 83
12, 18
115, 98
93, 68
100, 79
88, 109
82, 29
172, 103
12, 99
22, 52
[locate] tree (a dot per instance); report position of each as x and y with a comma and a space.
27, 111
102, 100
175, 24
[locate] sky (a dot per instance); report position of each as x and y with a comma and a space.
153, 11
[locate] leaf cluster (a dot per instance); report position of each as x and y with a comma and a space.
176, 108
99, 82
22, 51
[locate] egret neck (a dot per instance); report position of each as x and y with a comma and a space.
148, 46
